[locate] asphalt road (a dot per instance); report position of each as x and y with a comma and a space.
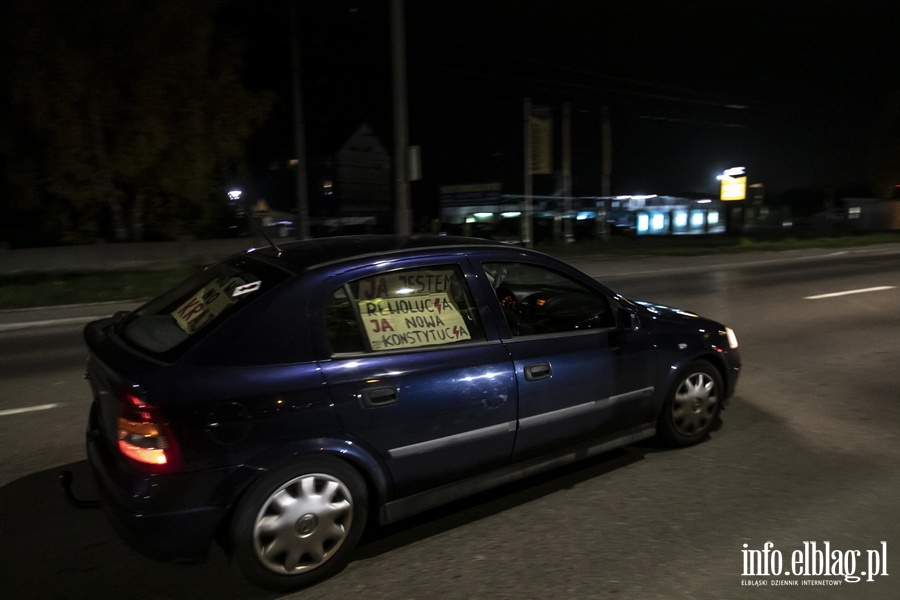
807, 454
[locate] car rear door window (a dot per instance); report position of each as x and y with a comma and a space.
403, 309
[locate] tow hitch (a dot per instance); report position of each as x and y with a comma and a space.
65, 480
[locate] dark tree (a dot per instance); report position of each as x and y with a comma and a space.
123, 111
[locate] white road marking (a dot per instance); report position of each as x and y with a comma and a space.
848, 292
49, 323
15, 411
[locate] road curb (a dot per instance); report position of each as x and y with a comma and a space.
67, 314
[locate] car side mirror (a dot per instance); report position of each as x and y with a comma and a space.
627, 320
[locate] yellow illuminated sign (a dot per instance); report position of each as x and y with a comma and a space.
734, 188
734, 184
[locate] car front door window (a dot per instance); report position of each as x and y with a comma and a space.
539, 301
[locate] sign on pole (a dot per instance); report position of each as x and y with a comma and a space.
733, 184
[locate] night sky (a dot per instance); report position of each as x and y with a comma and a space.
794, 91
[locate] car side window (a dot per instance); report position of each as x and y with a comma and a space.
407, 308
536, 300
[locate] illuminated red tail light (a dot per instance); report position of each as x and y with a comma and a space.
143, 434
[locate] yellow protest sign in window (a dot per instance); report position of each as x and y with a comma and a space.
412, 321
404, 284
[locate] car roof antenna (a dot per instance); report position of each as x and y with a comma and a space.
250, 212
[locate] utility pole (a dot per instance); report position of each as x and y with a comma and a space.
302, 224
529, 208
402, 204
606, 171
607, 153
568, 236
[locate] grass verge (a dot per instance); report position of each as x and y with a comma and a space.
41, 289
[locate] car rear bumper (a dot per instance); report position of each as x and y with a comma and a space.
169, 517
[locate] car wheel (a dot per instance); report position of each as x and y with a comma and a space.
299, 523
692, 407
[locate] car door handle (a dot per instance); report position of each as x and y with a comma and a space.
378, 396
538, 371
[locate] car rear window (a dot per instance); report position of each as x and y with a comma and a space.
173, 322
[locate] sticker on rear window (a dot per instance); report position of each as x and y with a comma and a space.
413, 321
245, 289
210, 301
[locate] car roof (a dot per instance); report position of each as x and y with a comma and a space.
307, 254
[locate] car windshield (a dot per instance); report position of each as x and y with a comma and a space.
170, 324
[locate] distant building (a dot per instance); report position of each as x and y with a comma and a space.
350, 186
362, 178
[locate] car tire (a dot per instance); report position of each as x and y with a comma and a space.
299, 523
692, 406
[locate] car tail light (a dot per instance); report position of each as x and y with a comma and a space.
143, 434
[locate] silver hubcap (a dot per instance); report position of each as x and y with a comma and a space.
303, 523
695, 404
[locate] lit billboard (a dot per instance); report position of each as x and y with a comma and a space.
733, 184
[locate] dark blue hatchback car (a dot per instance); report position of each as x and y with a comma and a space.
284, 397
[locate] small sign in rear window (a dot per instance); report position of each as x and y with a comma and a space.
210, 301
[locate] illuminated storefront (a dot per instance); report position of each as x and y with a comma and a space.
591, 216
